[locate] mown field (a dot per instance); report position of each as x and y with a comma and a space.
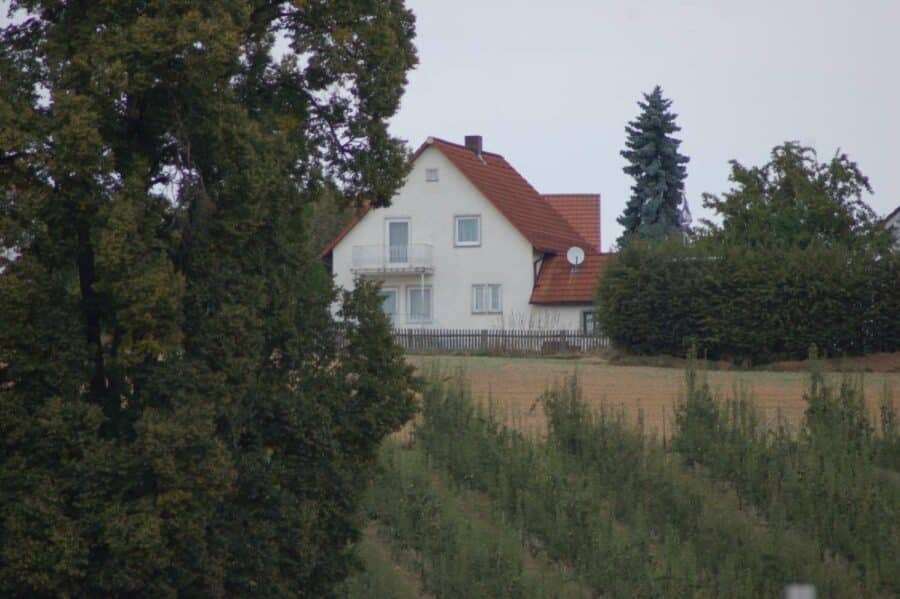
730, 503
515, 383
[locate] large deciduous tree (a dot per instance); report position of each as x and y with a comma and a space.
658, 171
176, 413
794, 200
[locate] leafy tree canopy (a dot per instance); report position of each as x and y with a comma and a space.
179, 413
794, 200
657, 168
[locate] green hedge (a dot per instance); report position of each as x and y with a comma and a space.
747, 304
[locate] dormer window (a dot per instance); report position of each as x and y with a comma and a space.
467, 231
431, 175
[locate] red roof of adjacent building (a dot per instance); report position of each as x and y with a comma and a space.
559, 283
513, 196
581, 210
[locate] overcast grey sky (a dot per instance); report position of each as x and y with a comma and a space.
551, 85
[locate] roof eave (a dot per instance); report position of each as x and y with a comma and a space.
589, 302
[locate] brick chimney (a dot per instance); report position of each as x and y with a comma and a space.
474, 143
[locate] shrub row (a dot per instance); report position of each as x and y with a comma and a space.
756, 305
454, 553
532, 486
834, 478
615, 505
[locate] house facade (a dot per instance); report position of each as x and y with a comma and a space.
892, 224
468, 243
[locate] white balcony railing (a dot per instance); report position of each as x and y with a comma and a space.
411, 258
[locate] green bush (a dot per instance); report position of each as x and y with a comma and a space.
615, 505
750, 304
559, 511
456, 553
829, 478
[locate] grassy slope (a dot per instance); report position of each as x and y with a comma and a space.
381, 576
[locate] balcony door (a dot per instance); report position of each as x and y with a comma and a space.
398, 241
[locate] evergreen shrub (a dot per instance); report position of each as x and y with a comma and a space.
750, 304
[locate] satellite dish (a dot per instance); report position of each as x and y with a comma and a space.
575, 256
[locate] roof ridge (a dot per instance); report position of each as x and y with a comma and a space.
460, 146
549, 236
516, 198
512, 194
560, 195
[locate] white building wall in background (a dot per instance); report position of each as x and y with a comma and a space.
893, 225
504, 256
563, 317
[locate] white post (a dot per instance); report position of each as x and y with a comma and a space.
422, 304
800, 591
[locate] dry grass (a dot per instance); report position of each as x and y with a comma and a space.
515, 383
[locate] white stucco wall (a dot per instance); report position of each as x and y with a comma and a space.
893, 225
566, 317
505, 256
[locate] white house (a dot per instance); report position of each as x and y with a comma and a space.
467, 242
892, 224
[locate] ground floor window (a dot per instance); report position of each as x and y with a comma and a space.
588, 325
390, 302
487, 299
419, 302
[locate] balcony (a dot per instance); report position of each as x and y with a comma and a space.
414, 258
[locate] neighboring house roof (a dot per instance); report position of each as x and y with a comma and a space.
581, 210
559, 283
513, 196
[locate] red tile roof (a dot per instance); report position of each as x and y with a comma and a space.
546, 228
513, 196
581, 211
557, 283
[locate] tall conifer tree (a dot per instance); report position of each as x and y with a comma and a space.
657, 168
176, 414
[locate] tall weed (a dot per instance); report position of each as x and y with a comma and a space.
649, 489
613, 503
558, 511
831, 478
455, 554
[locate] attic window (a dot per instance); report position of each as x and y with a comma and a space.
431, 175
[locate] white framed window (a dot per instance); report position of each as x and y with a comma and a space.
487, 299
467, 231
418, 299
431, 175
